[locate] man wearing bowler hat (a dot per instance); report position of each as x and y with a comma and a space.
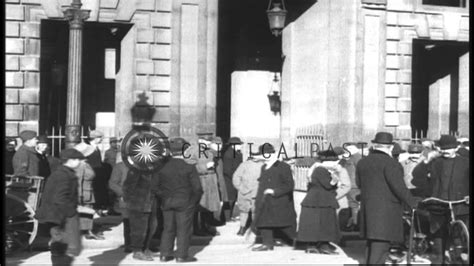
274, 206
25, 161
449, 176
58, 209
383, 193
180, 190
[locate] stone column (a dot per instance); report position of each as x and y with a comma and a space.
76, 18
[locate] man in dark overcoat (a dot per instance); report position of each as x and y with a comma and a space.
275, 208
232, 159
449, 176
180, 190
44, 169
383, 193
25, 161
10, 145
58, 209
141, 206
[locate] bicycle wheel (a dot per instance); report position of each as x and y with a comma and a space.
458, 243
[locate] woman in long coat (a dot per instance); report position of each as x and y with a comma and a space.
318, 220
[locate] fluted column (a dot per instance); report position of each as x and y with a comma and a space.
76, 18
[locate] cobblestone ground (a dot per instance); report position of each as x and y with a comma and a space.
227, 248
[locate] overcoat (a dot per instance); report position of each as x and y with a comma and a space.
60, 197
276, 210
451, 183
421, 180
85, 175
318, 221
232, 160
178, 185
44, 170
383, 191
245, 180
137, 191
117, 178
25, 161
210, 199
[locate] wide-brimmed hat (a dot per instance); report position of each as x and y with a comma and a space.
71, 154
266, 148
177, 145
43, 139
397, 149
27, 135
328, 155
235, 140
96, 134
415, 148
383, 138
447, 142
84, 148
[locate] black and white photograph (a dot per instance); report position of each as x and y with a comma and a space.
317, 132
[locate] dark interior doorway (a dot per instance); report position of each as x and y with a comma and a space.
98, 92
246, 43
431, 61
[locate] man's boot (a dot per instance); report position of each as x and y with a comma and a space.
241, 231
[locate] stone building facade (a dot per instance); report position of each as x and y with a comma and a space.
169, 53
355, 59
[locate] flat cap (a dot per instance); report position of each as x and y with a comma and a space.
71, 154
339, 150
217, 140
27, 135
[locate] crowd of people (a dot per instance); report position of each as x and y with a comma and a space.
198, 189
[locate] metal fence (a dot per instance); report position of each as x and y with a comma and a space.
57, 138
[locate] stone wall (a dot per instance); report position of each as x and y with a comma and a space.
155, 46
407, 20
348, 66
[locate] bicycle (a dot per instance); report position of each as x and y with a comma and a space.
458, 234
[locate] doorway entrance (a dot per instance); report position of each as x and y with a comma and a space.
436, 74
100, 61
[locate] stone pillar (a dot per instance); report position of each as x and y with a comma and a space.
76, 18
438, 118
463, 108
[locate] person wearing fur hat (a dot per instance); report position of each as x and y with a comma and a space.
449, 177
180, 190
41, 147
58, 209
25, 161
383, 193
318, 220
274, 206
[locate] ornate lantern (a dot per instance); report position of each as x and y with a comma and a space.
274, 95
276, 17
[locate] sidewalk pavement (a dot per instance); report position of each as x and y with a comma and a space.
227, 248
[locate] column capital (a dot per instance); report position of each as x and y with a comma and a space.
76, 16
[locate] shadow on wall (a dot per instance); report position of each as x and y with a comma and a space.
142, 111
